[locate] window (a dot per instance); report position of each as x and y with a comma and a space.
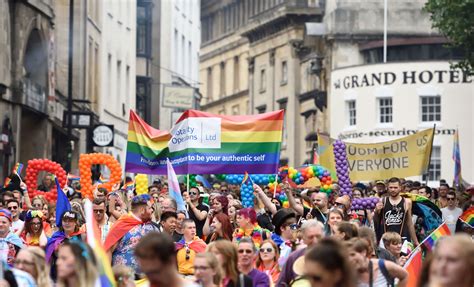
351, 112
430, 108
263, 81
284, 73
143, 30
222, 80
385, 110
235, 110
143, 96
434, 169
119, 85
261, 109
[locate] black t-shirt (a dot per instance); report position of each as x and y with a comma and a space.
177, 236
319, 216
199, 223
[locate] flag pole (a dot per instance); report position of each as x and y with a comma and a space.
385, 31
187, 182
429, 158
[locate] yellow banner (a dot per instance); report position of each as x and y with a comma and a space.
403, 157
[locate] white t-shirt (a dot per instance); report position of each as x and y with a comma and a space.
451, 217
17, 225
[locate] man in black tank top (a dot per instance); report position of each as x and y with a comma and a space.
393, 213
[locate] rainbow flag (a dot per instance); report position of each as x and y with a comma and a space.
128, 185
468, 216
204, 143
102, 179
16, 171
106, 276
413, 267
457, 160
430, 241
72, 177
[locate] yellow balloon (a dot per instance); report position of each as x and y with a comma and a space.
141, 184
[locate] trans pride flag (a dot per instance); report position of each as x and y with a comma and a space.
457, 160
204, 143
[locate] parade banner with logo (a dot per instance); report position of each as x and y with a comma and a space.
204, 143
407, 156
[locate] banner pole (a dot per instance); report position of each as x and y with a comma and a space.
187, 182
429, 159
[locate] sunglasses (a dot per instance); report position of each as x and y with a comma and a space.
246, 251
451, 198
99, 211
188, 253
294, 226
268, 250
12, 207
224, 190
192, 193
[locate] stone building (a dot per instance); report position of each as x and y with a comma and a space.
255, 58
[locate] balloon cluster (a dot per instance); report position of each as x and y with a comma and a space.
303, 174
284, 200
141, 183
260, 179
85, 163
246, 194
342, 167
37, 165
364, 203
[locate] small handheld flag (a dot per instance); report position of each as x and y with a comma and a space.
430, 241
468, 216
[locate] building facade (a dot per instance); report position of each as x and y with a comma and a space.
371, 101
255, 58
116, 63
168, 41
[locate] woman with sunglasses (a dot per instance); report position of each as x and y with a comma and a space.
33, 233
267, 260
226, 254
69, 230
221, 228
32, 260
207, 270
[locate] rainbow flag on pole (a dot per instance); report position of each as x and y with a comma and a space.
468, 216
430, 241
204, 143
457, 160
106, 276
16, 171
413, 267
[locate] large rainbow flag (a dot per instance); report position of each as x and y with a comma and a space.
204, 143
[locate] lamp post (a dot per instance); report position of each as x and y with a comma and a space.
69, 85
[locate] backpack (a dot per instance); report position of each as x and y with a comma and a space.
388, 277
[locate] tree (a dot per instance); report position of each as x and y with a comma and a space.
455, 20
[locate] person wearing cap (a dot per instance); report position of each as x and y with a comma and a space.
10, 243
380, 188
285, 228
69, 229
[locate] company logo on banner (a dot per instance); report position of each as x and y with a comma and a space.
196, 133
404, 157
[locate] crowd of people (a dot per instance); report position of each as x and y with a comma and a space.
312, 239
